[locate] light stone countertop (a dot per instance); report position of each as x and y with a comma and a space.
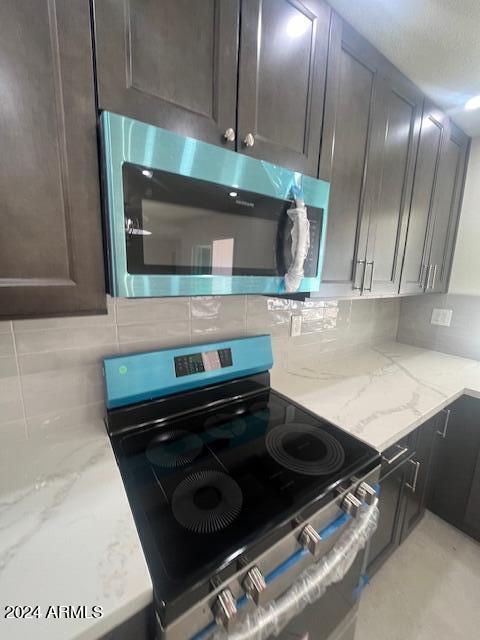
67, 535
378, 393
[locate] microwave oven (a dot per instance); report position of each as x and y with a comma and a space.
186, 218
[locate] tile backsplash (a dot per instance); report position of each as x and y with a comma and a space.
50, 370
461, 338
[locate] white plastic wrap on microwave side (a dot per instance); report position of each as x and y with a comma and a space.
300, 245
311, 584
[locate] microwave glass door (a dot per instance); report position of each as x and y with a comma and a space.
177, 225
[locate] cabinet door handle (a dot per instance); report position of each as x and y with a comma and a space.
249, 140
413, 486
423, 277
429, 273
372, 264
358, 262
399, 454
229, 134
443, 433
434, 275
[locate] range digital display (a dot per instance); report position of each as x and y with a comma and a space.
202, 361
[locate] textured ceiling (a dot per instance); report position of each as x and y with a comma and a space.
436, 43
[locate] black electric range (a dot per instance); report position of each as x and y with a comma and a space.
216, 475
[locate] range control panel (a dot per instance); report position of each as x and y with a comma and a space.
140, 377
186, 365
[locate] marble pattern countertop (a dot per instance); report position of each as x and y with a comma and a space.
378, 393
67, 535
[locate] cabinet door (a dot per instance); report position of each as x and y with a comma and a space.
448, 199
418, 475
455, 464
420, 224
386, 538
351, 109
172, 63
51, 256
399, 130
283, 59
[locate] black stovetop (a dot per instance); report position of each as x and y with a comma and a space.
213, 487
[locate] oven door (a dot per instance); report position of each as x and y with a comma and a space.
188, 218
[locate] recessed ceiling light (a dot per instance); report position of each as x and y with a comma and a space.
233, 194
473, 103
147, 173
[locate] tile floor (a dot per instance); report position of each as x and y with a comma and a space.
428, 590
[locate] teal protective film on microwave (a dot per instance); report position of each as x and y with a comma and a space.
127, 140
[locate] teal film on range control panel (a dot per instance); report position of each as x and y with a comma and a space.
127, 140
146, 376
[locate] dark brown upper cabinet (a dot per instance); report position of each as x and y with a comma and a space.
172, 63
417, 251
370, 139
436, 202
283, 59
349, 148
398, 133
448, 200
51, 258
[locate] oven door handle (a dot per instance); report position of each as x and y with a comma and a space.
311, 584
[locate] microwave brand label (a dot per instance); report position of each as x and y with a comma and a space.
244, 203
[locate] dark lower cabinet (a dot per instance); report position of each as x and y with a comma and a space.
404, 489
387, 536
418, 474
455, 494
51, 255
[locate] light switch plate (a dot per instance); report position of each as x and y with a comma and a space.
295, 326
442, 317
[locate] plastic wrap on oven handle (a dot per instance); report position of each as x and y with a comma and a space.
311, 584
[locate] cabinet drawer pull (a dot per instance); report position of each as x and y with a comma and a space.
399, 454
443, 433
413, 486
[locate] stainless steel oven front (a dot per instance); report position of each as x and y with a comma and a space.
188, 218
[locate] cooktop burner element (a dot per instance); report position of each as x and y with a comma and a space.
305, 449
207, 501
225, 427
172, 449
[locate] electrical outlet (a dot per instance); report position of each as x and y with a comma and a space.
442, 317
295, 326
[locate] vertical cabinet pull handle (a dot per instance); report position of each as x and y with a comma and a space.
423, 277
443, 433
359, 262
370, 263
429, 273
434, 275
413, 486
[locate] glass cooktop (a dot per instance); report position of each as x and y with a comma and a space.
209, 487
